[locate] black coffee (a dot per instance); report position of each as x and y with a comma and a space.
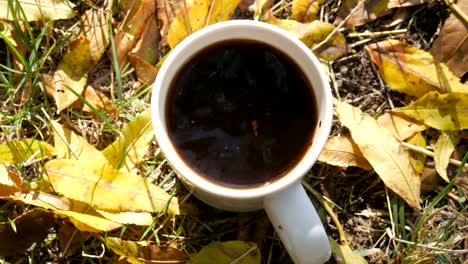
241, 114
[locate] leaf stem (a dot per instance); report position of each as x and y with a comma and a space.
430, 153
339, 227
458, 12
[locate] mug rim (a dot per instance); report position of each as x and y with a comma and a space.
184, 51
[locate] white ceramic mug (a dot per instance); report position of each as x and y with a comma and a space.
285, 201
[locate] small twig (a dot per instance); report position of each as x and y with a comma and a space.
458, 12
186, 18
335, 30
377, 34
390, 213
339, 227
210, 11
431, 154
84, 254
245, 254
392, 237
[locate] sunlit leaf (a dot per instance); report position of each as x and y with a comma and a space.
145, 71
440, 111
128, 217
401, 127
141, 252
37, 9
29, 228
344, 254
305, 10
103, 187
72, 146
17, 151
369, 11
385, 153
6, 34
418, 160
95, 27
343, 152
71, 74
312, 34
89, 223
405, 3
10, 183
412, 71
127, 151
443, 149
451, 47
227, 252
97, 100
197, 14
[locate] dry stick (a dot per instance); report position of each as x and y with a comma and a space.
318, 46
431, 154
208, 17
186, 18
377, 34
254, 247
458, 12
390, 213
339, 227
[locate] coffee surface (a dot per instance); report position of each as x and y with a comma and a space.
241, 114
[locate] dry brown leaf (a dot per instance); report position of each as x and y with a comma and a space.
314, 33
451, 47
305, 10
385, 153
105, 188
97, 100
441, 111
142, 252
369, 11
418, 160
29, 228
443, 150
146, 53
136, 15
95, 27
412, 71
70, 241
401, 127
343, 152
71, 74
145, 72
166, 12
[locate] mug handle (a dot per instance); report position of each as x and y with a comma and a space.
298, 225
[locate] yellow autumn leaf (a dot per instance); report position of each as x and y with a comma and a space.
305, 10
195, 15
72, 146
343, 152
17, 151
418, 160
385, 153
127, 151
344, 253
441, 111
314, 33
412, 71
89, 223
401, 127
105, 188
443, 149
227, 252
143, 219
71, 73
36, 10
